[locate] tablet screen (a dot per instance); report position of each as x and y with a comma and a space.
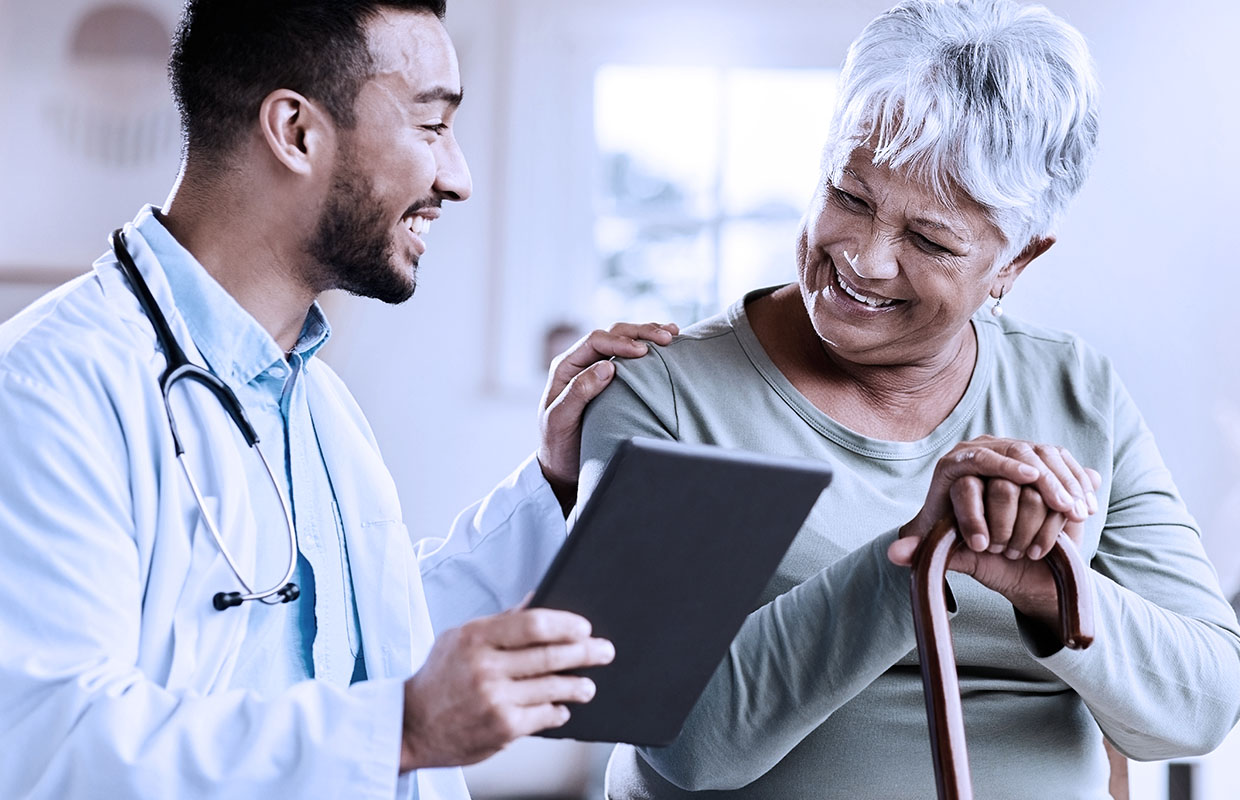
668, 556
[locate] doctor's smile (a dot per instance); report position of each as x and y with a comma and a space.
418, 222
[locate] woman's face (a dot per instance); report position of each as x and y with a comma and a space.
921, 267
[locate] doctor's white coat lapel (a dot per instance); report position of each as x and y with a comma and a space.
387, 586
391, 608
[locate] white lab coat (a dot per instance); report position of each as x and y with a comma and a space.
114, 666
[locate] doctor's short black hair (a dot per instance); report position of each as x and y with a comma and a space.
228, 55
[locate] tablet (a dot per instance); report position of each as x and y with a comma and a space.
668, 556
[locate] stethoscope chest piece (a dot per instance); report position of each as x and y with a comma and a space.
223, 600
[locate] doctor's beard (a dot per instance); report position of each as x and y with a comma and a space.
352, 244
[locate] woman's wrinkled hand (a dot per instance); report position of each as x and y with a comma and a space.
1010, 499
996, 489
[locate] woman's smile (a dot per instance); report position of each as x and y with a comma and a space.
844, 293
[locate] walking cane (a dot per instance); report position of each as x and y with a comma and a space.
938, 658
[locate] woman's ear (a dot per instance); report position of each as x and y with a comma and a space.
298, 132
1010, 272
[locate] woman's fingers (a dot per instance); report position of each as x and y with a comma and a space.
1045, 538
1069, 478
1032, 513
1054, 476
979, 481
1084, 479
968, 460
969, 508
1002, 507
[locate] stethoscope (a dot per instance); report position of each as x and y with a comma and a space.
180, 368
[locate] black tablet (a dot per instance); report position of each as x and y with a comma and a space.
667, 558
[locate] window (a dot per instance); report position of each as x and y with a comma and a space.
704, 176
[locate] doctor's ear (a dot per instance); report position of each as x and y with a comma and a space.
298, 131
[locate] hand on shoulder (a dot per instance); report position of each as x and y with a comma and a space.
577, 376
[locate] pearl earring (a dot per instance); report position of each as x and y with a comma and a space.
997, 309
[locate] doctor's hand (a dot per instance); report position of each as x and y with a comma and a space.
577, 376
494, 680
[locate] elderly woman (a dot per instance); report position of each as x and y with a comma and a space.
961, 132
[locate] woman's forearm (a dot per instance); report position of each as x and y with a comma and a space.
1161, 684
795, 661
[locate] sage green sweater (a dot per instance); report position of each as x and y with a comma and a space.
820, 694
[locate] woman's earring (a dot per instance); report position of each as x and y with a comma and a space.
997, 309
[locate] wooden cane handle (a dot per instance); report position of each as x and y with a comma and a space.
938, 658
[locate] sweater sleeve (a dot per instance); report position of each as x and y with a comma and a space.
796, 659
1163, 675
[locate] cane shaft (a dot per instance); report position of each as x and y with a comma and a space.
938, 658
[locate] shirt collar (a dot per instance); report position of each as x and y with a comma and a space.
229, 338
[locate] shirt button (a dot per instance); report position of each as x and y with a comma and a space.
278, 371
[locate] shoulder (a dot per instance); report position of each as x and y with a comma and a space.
74, 339
79, 380
1042, 348
701, 355
1040, 363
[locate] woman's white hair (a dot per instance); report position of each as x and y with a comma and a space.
990, 97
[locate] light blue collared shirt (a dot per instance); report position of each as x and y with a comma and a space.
316, 636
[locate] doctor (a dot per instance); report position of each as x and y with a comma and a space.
319, 147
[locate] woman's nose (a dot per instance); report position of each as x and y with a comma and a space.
874, 261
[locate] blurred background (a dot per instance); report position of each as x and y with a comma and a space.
650, 159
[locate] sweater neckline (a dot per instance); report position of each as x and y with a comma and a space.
946, 431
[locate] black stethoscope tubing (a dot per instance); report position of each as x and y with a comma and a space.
180, 368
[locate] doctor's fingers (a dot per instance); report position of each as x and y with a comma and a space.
525, 720
561, 412
527, 627
549, 689
532, 662
624, 339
